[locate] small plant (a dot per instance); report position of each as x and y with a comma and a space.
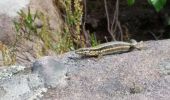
9, 56
65, 43
26, 28
93, 40
73, 19
45, 34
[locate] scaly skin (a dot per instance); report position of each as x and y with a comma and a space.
109, 48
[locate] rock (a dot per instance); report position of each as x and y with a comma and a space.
38, 23
21, 87
11, 8
135, 89
10, 71
8, 14
135, 75
18, 83
29, 57
50, 70
7, 32
50, 9
165, 66
2, 91
1, 59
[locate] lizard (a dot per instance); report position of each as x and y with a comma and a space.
110, 48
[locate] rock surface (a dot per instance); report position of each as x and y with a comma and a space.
8, 13
49, 8
50, 70
136, 75
26, 50
11, 7
28, 83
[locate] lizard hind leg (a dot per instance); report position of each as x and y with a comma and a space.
99, 56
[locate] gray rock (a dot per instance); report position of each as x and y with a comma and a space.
135, 75
20, 87
10, 71
38, 23
165, 66
7, 33
8, 14
2, 91
11, 8
50, 70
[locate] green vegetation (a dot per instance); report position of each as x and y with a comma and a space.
72, 36
94, 41
158, 4
73, 19
65, 42
45, 34
27, 28
69, 39
130, 2
8, 55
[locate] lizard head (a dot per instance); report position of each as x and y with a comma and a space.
137, 45
133, 42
